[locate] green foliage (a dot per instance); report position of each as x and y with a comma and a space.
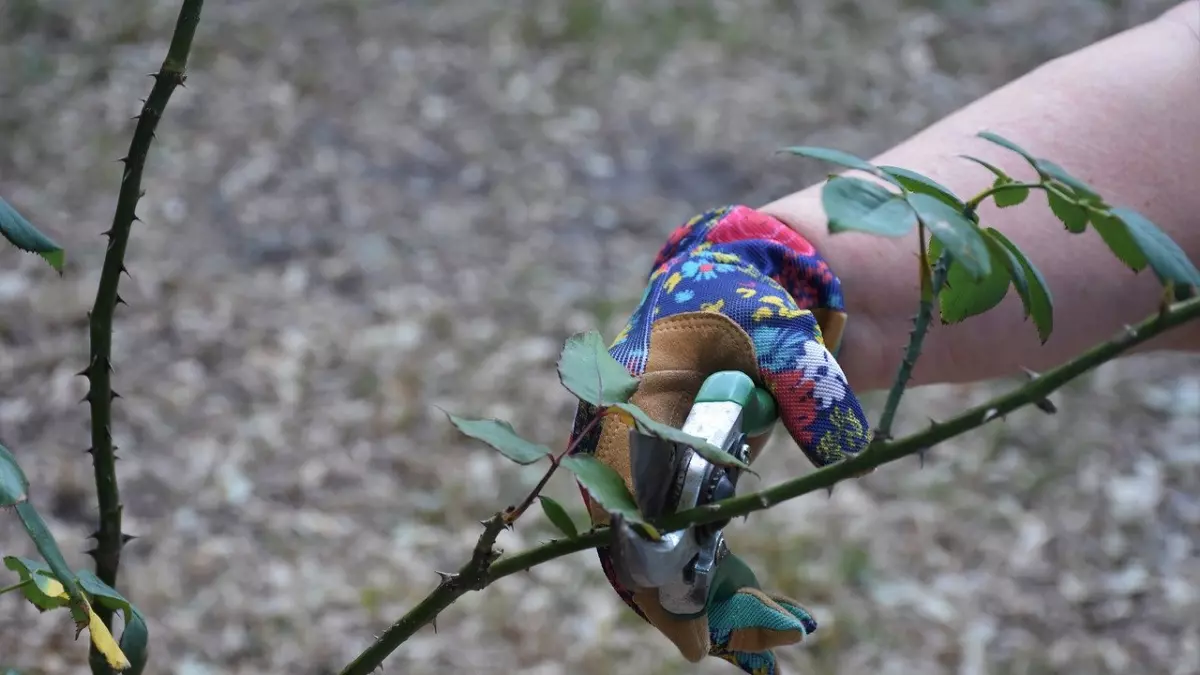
964, 295
604, 485
46, 590
855, 204
587, 371
39, 585
833, 157
135, 636
1169, 262
1133, 239
983, 262
20, 233
558, 516
1030, 284
915, 182
501, 436
14, 492
707, 450
957, 233
14, 486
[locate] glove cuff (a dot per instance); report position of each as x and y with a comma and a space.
768, 246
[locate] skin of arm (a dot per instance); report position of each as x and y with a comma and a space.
1123, 115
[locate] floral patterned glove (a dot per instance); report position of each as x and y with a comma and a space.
774, 292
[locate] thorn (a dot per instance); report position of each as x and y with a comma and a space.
1031, 374
135, 219
446, 577
94, 535
87, 451
94, 552
1046, 406
86, 372
109, 234
921, 458
114, 395
829, 492
125, 271
126, 538
87, 398
1130, 330
434, 622
120, 301
990, 414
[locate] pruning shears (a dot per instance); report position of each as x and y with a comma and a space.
669, 477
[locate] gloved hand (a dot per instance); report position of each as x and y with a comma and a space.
733, 289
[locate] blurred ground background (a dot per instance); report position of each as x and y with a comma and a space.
358, 210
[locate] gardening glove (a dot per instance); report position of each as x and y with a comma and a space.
733, 289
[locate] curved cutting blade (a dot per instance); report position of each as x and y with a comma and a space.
653, 464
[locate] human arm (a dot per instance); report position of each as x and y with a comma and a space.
1121, 115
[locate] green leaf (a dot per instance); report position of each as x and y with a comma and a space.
832, 156
1169, 262
1008, 196
865, 206
44, 541
559, 516
44, 592
1008, 145
135, 636
604, 485
963, 296
501, 436
1081, 190
960, 236
996, 171
712, 453
14, 486
915, 182
20, 233
1120, 241
1041, 303
1073, 216
589, 372
1005, 258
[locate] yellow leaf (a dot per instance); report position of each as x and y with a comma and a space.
105, 643
53, 588
620, 415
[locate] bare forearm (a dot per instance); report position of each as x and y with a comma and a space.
1123, 115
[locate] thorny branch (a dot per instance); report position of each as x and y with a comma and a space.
108, 535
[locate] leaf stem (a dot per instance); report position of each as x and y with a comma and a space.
109, 538
885, 452
975, 201
19, 584
921, 323
511, 515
